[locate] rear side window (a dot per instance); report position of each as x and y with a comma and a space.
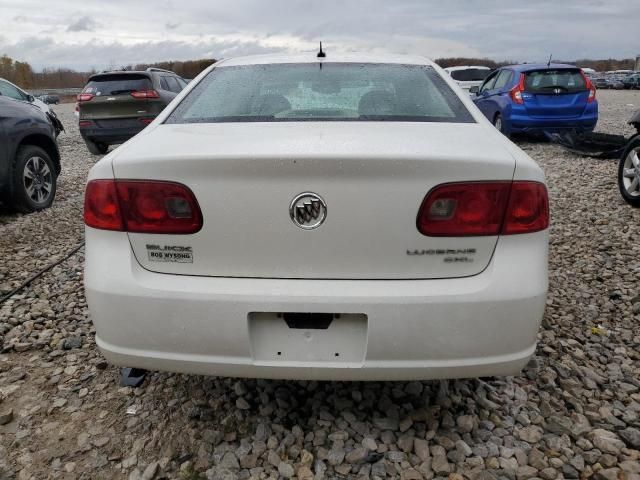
548, 81
173, 84
117, 84
503, 79
489, 82
321, 92
470, 74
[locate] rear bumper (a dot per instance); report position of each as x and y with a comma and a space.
528, 124
110, 136
415, 329
520, 121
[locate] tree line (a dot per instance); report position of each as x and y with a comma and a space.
24, 76
598, 65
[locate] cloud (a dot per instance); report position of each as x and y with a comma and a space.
520, 30
83, 24
99, 54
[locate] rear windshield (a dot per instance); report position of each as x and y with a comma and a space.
117, 84
549, 81
470, 75
321, 92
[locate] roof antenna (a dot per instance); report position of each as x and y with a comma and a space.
549, 62
321, 54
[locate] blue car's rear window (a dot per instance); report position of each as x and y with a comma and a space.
550, 81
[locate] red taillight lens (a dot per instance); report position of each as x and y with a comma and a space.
84, 97
516, 92
145, 121
101, 207
142, 206
590, 87
145, 94
85, 123
484, 208
528, 209
464, 209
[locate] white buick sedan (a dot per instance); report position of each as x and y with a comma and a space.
352, 217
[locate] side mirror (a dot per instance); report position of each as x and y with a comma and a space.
31, 98
475, 89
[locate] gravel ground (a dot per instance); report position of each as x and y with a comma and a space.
573, 413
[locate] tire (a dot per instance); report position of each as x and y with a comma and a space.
97, 148
33, 180
498, 122
629, 173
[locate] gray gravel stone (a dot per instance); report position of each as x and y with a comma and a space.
532, 434
286, 470
6, 416
357, 455
606, 441
386, 423
630, 435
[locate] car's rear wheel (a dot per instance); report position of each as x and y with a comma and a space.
33, 180
97, 148
498, 122
629, 173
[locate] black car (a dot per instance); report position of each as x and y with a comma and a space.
115, 106
631, 81
50, 99
29, 157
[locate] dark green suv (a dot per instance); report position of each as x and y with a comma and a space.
115, 106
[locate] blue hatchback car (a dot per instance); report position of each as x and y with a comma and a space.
531, 98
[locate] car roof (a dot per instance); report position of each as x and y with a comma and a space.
312, 57
528, 67
119, 72
466, 67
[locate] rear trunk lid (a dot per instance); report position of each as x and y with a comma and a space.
373, 177
112, 100
553, 93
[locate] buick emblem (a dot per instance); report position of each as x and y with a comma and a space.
557, 91
308, 210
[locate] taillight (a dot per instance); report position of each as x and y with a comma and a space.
145, 94
101, 208
85, 123
141, 206
145, 121
516, 92
484, 208
84, 97
591, 87
528, 209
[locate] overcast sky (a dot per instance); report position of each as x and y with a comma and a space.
82, 34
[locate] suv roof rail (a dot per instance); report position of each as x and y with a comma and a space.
155, 69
